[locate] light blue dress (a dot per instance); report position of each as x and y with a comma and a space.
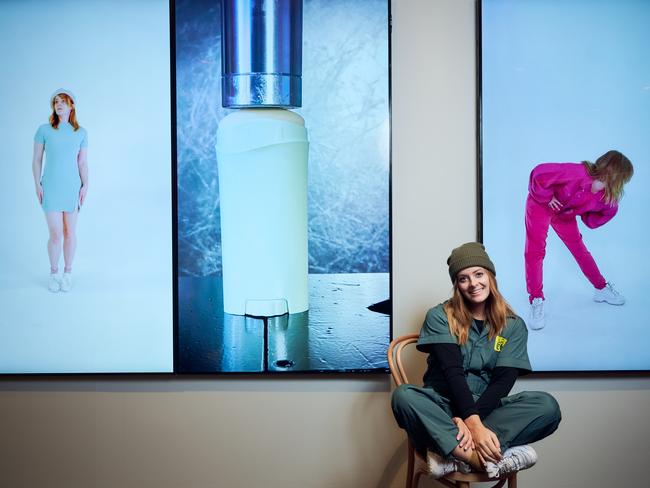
60, 180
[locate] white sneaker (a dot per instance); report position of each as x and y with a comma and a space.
439, 466
537, 320
66, 282
609, 294
54, 284
514, 459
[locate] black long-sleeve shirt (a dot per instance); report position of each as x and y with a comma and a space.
450, 360
506, 353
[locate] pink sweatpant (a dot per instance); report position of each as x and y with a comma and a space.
538, 219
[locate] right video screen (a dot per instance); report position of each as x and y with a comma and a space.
565, 118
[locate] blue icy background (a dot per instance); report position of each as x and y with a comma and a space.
345, 106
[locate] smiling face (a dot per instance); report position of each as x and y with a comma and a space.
474, 284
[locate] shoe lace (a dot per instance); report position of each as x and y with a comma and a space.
514, 462
511, 463
614, 291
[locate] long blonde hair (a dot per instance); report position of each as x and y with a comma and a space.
613, 169
497, 311
54, 118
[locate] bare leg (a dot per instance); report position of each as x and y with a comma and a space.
55, 226
70, 238
470, 456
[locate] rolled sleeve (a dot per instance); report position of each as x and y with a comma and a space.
514, 352
435, 329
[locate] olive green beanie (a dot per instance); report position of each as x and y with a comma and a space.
467, 255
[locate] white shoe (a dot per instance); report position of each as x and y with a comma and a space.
54, 284
513, 460
66, 282
609, 294
439, 466
537, 319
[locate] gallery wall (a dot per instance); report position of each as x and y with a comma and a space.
319, 431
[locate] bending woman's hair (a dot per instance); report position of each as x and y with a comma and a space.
614, 169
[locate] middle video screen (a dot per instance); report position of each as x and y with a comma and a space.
283, 213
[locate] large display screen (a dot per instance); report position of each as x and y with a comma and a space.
345, 107
115, 226
114, 311
564, 82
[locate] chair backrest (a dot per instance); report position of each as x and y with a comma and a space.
395, 349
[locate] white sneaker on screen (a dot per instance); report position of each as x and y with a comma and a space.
609, 294
54, 283
66, 282
537, 319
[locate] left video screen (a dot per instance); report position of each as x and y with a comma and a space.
86, 255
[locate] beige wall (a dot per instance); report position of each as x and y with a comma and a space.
326, 432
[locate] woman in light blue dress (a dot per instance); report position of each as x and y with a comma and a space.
61, 185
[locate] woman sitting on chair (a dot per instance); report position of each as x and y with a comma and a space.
462, 417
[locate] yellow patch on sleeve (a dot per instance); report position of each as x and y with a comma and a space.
499, 342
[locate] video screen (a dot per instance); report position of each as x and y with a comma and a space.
86, 274
565, 151
283, 215
281, 268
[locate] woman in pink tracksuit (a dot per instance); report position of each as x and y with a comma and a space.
557, 194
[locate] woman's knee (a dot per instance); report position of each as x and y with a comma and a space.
402, 397
68, 234
547, 405
56, 236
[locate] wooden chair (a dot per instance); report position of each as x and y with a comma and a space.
417, 466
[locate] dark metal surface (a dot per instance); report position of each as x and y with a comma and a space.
210, 341
338, 333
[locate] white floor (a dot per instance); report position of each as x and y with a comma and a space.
581, 334
118, 317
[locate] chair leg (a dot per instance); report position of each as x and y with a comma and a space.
409, 470
512, 480
416, 480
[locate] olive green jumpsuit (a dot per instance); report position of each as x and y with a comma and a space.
426, 412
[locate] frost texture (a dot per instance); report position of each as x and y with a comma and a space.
345, 106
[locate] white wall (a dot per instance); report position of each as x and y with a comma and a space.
326, 432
